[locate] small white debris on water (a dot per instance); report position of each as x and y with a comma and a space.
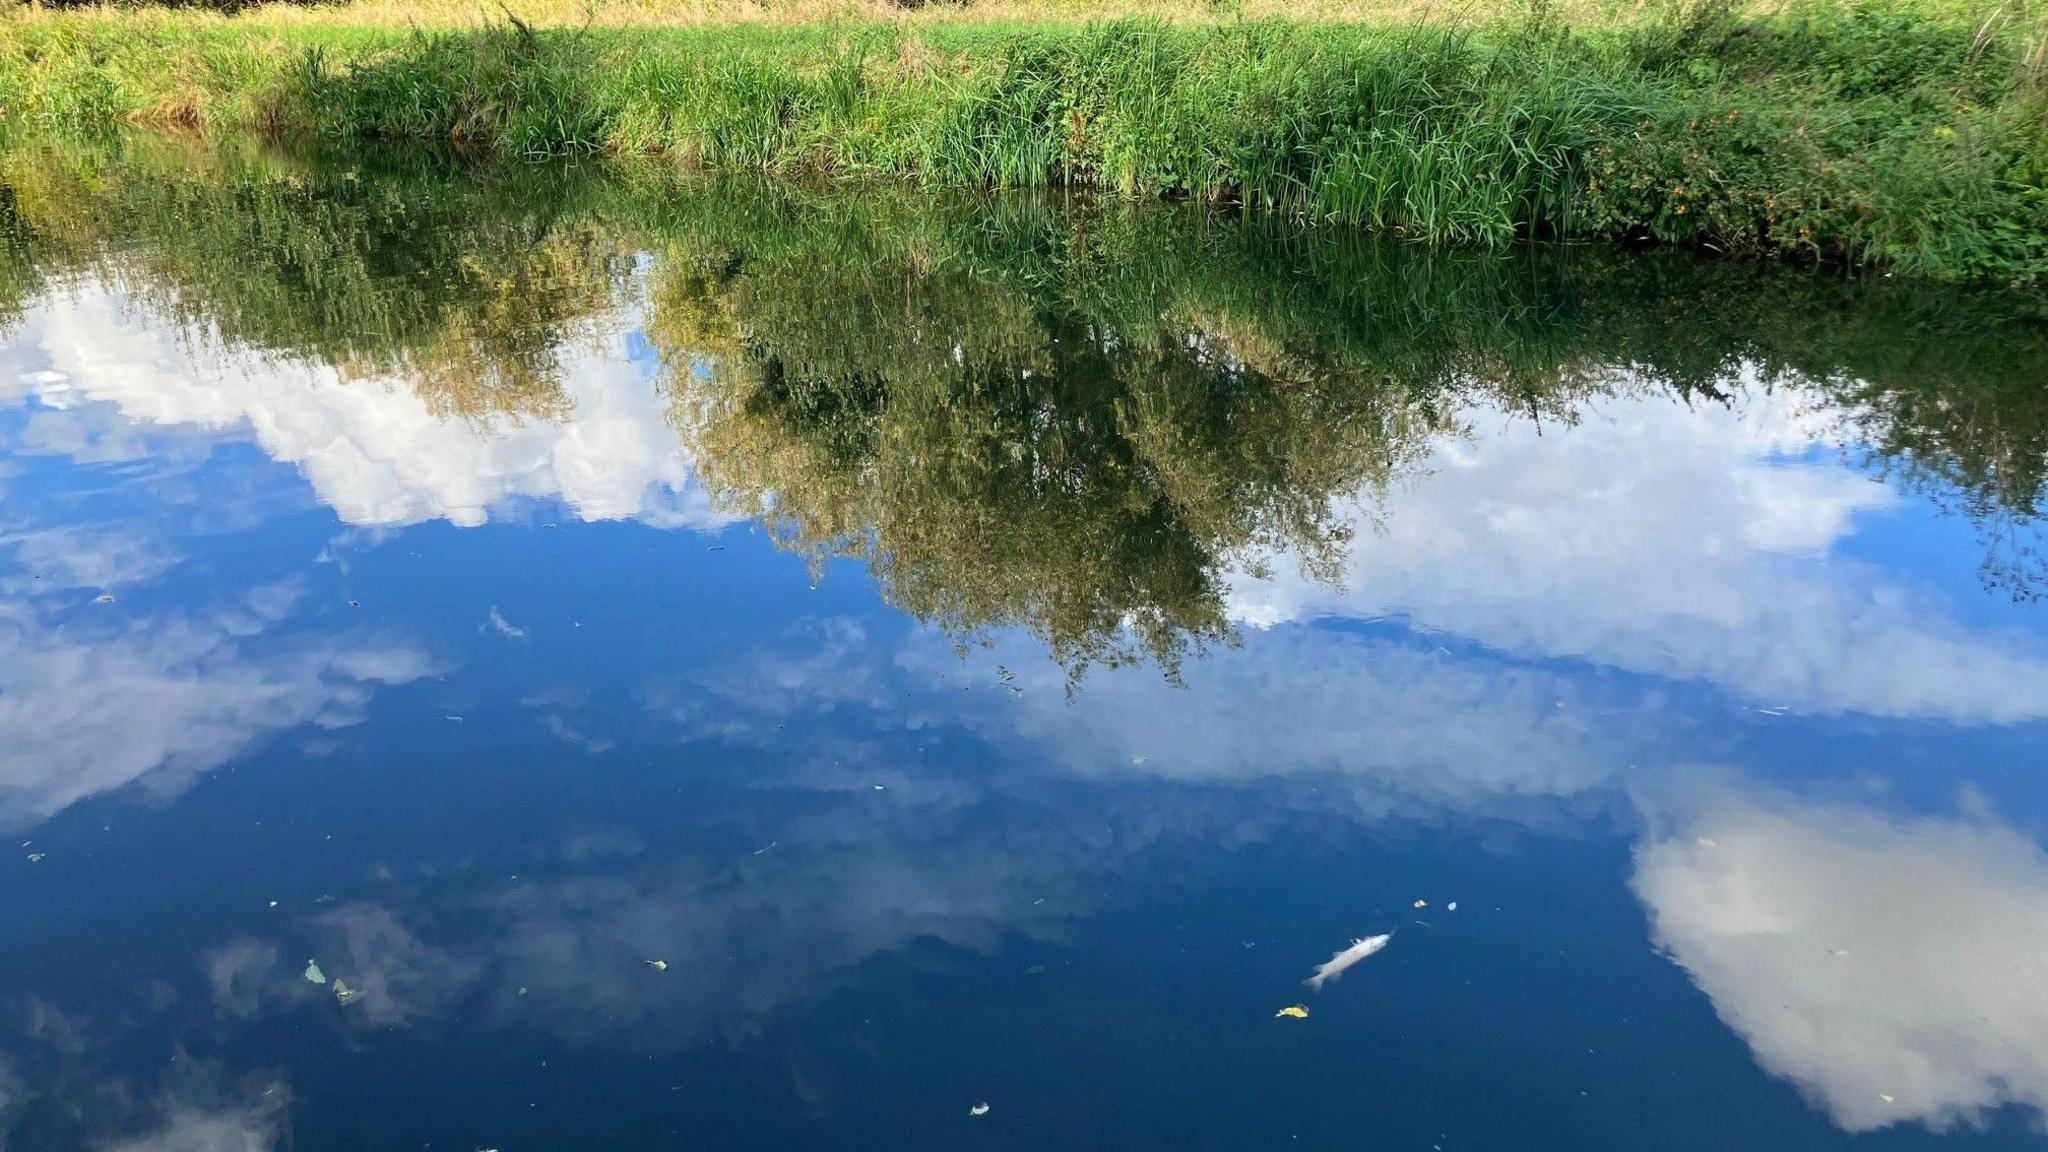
658, 965
978, 1110
1451, 907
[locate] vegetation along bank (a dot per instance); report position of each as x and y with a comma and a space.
1908, 135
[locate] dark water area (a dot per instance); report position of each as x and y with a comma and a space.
566, 658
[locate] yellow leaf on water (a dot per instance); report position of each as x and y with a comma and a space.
1298, 1011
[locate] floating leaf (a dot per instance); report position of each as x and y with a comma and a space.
1298, 1011
313, 972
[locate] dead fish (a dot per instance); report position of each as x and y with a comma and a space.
1335, 966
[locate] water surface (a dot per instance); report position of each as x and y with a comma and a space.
709, 665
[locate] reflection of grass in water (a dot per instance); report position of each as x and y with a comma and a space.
1069, 416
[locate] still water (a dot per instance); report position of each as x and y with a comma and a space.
572, 659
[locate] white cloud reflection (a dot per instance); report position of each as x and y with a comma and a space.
1894, 969
1394, 726
85, 711
372, 452
255, 1124
1684, 542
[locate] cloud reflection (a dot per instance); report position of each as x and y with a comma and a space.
1689, 542
85, 711
1894, 969
375, 455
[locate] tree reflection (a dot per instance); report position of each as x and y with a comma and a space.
467, 292
1075, 418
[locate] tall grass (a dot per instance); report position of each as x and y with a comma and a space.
1881, 134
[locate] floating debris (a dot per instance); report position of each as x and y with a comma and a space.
36, 857
1335, 966
1451, 907
881, 787
978, 1110
313, 973
273, 903
658, 965
765, 847
1422, 903
104, 598
1883, 1097
1293, 1011
345, 994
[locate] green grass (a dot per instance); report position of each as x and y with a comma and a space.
1889, 135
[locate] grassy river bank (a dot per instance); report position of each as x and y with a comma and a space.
1911, 137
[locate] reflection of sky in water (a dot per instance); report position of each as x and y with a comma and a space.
1893, 969
493, 743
